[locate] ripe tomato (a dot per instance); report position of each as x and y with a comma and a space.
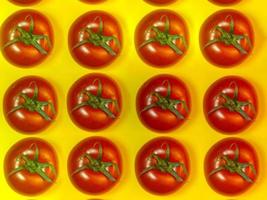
163, 103
95, 39
30, 104
95, 165
26, 38
162, 166
24, 2
31, 166
225, 2
160, 2
94, 102
231, 166
230, 104
226, 38
161, 38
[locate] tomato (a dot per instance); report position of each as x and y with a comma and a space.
30, 104
162, 166
94, 102
95, 39
26, 38
160, 2
231, 104
225, 2
161, 38
31, 166
95, 165
163, 103
226, 38
25, 2
231, 166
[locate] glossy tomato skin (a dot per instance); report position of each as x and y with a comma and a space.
24, 2
87, 117
24, 120
224, 120
89, 55
155, 181
20, 54
225, 2
24, 182
160, 2
220, 54
224, 182
158, 119
87, 180
154, 53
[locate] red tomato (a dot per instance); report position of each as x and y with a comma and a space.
24, 2
95, 165
30, 104
31, 166
230, 104
160, 2
226, 38
26, 38
162, 166
94, 102
161, 38
163, 103
225, 2
231, 166
95, 39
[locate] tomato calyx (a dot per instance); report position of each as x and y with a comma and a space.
33, 105
164, 165
98, 165
98, 39
232, 104
97, 102
229, 38
164, 37
33, 166
166, 103
233, 166
28, 38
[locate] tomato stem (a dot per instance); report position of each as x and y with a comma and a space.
33, 166
28, 38
98, 39
33, 105
97, 102
164, 37
165, 166
232, 104
97, 165
233, 166
166, 103
229, 38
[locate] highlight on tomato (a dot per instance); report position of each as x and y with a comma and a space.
161, 38
25, 2
226, 38
231, 166
31, 166
163, 103
30, 104
94, 102
95, 165
162, 166
26, 38
231, 104
160, 2
95, 39
225, 2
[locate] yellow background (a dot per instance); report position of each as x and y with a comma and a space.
130, 72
